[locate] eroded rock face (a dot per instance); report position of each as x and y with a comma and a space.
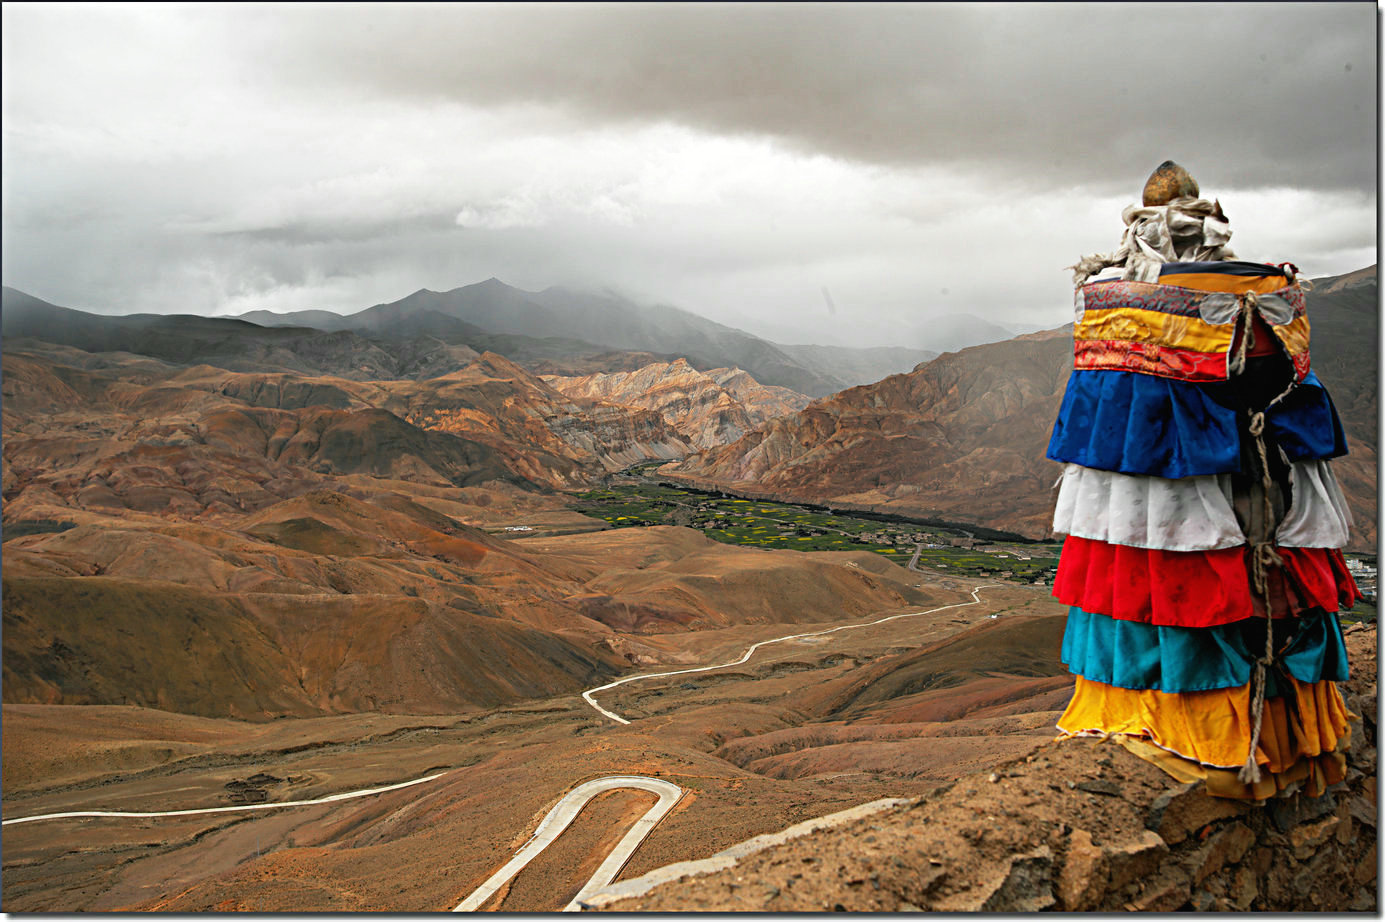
710, 408
149, 437
1076, 825
962, 437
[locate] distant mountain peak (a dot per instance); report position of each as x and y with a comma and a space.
498, 366
1364, 276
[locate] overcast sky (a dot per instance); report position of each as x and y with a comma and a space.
810, 173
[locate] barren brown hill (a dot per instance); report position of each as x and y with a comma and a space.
661, 579
495, 401
948, 681
763, 402
963, 438
956, 438
991, 691
543, 435
319, 604
132, 433
709, 408
92, 640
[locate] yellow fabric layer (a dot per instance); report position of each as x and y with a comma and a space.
1134, 325
1212, 727
1309, 776
1295, 336
1213, 281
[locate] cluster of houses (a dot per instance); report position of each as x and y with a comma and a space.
1365, 575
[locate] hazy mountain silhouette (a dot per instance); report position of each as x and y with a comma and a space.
427, 345
575, 319
951, 332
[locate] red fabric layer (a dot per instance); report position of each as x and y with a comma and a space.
1151, 359
1196, 588
1320, 576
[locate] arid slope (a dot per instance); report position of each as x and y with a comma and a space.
709, 408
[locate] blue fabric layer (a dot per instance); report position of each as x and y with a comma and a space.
1224, 267
1306, 425
1143, 424
1136, 655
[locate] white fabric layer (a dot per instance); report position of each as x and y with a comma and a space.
1193, 513
1319, 515
1188, 514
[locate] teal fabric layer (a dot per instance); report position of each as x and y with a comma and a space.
1136, 655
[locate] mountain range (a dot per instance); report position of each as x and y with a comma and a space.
287, 544
614, 323
555, 331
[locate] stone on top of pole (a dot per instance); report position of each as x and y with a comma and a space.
1169, 181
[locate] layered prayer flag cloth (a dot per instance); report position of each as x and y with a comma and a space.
1203, 525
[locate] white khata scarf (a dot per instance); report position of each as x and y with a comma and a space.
1184, 230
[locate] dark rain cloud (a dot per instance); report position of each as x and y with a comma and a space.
1088, 95
835, 172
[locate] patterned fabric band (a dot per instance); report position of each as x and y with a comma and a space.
1181, 348
1186, 327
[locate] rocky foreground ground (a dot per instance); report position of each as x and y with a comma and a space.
1076, 825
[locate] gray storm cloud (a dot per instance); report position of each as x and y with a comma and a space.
738, 160
1076, 94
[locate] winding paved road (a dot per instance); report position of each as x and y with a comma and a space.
558, 819
587, 695
332, 798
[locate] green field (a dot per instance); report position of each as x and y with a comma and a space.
783, 526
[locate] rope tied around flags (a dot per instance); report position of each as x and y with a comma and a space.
1264, 557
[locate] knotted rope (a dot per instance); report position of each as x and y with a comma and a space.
1264, 556
1248, 302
